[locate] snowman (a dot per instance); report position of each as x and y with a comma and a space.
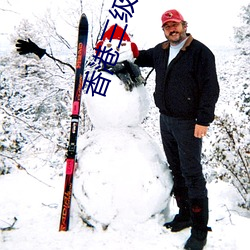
122, 178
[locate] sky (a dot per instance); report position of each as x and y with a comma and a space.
210, 22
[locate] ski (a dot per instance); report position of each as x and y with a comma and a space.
71, 160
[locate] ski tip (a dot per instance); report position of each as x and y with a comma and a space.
83, 20
84, 17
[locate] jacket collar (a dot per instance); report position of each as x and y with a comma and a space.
166, 44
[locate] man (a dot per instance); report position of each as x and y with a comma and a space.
186, 93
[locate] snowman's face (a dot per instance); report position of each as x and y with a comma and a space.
125, 51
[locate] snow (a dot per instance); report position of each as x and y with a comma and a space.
124, 181
120, 107
37, 208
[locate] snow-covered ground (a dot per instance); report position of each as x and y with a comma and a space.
37, 208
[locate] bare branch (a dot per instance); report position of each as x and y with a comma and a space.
19, 166
10, 227
1, 9
31, 127
57, 60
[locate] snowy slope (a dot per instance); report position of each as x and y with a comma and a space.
37, 209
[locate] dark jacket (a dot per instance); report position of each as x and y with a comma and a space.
188, 87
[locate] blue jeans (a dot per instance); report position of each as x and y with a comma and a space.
183, 152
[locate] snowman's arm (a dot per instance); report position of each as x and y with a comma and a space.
25, 47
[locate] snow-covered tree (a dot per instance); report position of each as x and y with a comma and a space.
35, 103
230, 155
36, 95
242, 33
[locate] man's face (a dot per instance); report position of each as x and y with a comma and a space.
174, 32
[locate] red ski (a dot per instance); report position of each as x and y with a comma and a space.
71, 153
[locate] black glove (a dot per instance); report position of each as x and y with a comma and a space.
129, 73
24, 47
135, 73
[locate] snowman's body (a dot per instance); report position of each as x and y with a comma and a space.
122, 177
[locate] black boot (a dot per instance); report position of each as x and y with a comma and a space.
197, 240
199, 215
182, 220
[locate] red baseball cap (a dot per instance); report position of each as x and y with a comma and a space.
171, 16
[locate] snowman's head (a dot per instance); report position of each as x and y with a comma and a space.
124, 49
117, 39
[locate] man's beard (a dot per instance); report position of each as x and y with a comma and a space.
182, 36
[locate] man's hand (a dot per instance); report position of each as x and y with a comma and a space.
24, 47
200, 131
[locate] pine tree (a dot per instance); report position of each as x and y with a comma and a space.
242, 33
